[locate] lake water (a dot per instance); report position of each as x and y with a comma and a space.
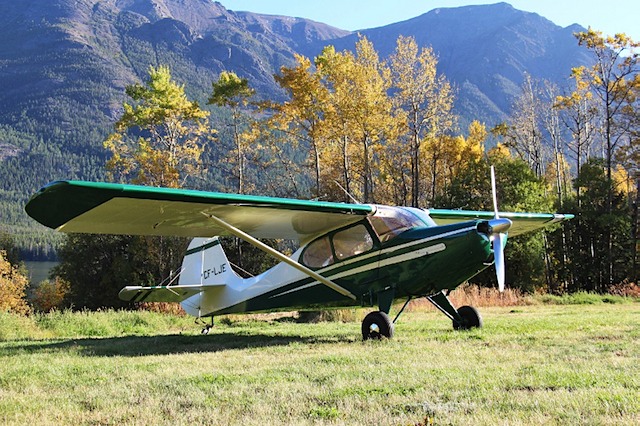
39, 271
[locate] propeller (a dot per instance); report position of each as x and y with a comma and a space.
497, 229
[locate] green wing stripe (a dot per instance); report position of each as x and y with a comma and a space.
159, 293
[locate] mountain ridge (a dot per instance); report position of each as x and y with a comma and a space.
477, 47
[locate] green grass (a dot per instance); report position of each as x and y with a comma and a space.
550, 364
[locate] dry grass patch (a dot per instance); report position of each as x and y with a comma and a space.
473, 295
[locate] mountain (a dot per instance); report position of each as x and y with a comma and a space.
484, 51
64, 65
50, 47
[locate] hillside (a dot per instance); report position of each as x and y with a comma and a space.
64, 65
485, 52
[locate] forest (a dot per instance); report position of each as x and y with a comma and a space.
357, 127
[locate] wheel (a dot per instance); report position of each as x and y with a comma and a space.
377, 325
470, 318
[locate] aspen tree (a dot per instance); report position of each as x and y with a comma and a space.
234, 92
611, 78
302, 116
427, 100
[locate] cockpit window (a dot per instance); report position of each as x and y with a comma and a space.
338, 246
352, 242
318, 254
389, 222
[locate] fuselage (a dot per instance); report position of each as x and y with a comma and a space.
400, 250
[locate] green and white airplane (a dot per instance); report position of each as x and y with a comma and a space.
349, 255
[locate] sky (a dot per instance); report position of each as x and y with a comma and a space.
610, 17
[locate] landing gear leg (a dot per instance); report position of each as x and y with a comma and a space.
402, 310
465, 318
207, 327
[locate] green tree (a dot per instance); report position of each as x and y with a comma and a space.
159, 138
157, 141
588, 265
96, 268
8, 246
518, 189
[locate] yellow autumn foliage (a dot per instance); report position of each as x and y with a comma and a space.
50, 294
13, 285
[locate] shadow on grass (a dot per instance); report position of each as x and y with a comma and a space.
131, 346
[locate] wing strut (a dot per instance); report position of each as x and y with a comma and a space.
275, 253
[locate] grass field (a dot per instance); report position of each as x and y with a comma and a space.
540, 364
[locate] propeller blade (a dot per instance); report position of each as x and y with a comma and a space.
499, 226
498, 255
494, 193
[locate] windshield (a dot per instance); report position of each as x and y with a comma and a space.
390, 222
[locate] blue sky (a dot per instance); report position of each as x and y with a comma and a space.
610, 17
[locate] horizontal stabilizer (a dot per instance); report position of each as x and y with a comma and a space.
173, 293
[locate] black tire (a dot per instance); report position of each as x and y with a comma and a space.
471, 318
377, 325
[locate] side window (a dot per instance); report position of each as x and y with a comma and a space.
318, 254
352, 242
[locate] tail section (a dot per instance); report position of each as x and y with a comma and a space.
206, 264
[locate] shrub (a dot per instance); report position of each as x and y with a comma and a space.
50, 295
13, 287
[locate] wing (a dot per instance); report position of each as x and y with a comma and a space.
522, 222
105, 208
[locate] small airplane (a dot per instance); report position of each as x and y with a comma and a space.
349, 254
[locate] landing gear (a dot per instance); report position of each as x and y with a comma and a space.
377, 325
207, 327
465, 318
470, 318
